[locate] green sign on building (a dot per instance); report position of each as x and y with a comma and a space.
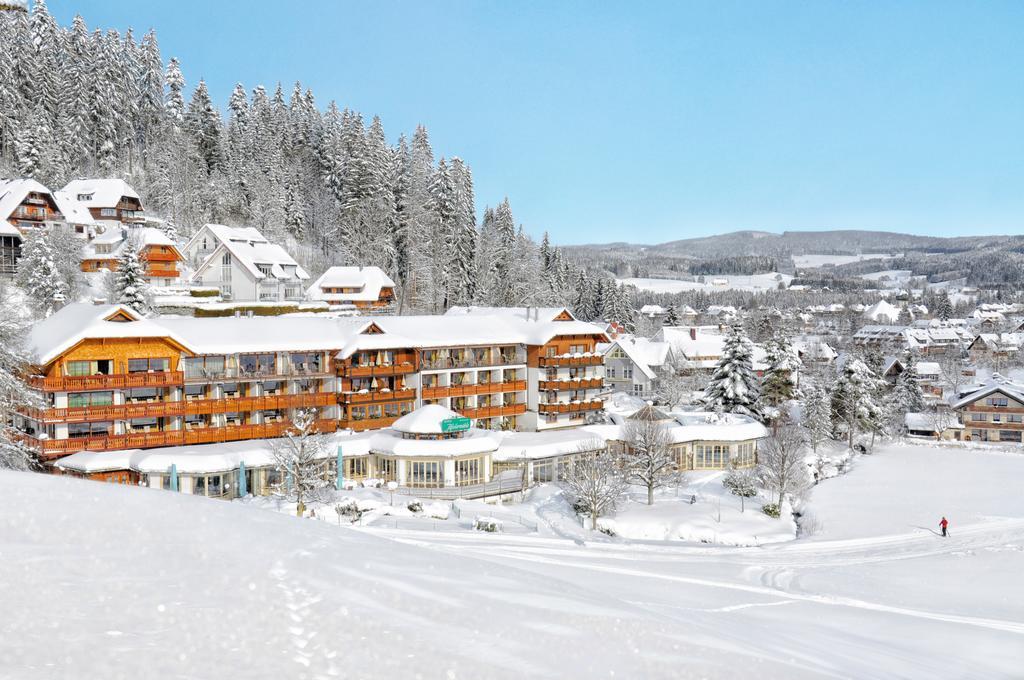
459, 424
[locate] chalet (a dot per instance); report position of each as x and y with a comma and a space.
633, 365
110, 201
110, 380
77, 216
365, 288
995, 346
25, 206
992, 412
158, 252
244, 265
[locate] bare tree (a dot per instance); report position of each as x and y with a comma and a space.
951, 367
648, 460
299, 455
594, 480
781, 467
941, 418
677, 381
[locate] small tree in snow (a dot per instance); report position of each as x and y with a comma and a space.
299, 456
671, 316
594, 481
677, 382
779, 383
781, 467
817, 417
648, 459
39, 274
733, 386
130, 282
742, 483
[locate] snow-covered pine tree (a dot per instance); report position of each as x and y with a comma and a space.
904, 397
672, 315
39, 274
817, 416
780, 379
14, 393
131, 285
855, 401
464, 264
733, 387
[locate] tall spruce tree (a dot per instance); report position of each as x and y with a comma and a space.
733, 387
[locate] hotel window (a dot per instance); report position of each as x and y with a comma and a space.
979, 417
210, 485
233, 419
391, 410
355, 468
711, 457
76, 399
76, 430
147, 365
142, 394
98, 367
550, 351
307, 362
229, 389
425, 474
144, 425
195, 391
271, 416
271, 387
256, 364
108, 212
1009, 435
386, 469
467, 472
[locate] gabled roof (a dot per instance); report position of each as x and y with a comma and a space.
12, 193
997, 385
251, 254
527, 313
102, 193
73, 323
367, 280
221, 233
73, 211
644, 353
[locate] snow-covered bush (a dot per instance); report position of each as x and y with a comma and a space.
488, 524
415, 506
771, 509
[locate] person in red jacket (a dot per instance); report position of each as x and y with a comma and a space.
942, 525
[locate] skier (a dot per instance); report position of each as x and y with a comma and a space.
942, 525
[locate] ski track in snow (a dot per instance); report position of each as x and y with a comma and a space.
776, 570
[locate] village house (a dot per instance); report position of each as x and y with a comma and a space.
156, 250
111, 202
367, 289
633, 365
25, 206
992, 412
243, 265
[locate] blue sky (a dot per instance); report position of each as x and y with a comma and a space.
650, 121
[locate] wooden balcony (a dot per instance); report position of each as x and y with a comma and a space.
403, 368
266, 402
361, 424
469, 361
56, 448
493, 411
376, 397
151, 255
442, 391
77, 383
87, 414
162, 273
577, 407
579, 384
594, 360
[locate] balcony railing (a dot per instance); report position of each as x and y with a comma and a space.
55, 448
446, 363
402, 368
376, 396
493, 411
75, 383
86, 414
261, 403
274, 373
360, 424
574, 407
582, 360
572, 384
441, 391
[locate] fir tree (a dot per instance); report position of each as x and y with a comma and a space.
779, 383
131, 286
39, 275
817, 416
733, 387
855, 400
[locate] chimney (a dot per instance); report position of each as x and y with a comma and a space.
693, 333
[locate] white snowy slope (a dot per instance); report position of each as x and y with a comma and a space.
101, 581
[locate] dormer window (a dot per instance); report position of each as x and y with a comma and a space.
84, 197
264, 269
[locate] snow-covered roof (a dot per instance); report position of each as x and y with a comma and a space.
226, 335
473, 441
882, 311
74, 212
694, 426
73, 323
118, 238
927, 368
99, 193
526, 313
646, 354
367, 280
652, 310
12, 193
253, 254
538, 445
926, 422
424, 420
998, 384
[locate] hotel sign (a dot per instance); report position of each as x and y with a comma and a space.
455, 424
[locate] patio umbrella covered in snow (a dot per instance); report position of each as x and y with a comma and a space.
243, 489
174, 477
339, 482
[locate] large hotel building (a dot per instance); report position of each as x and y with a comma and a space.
110, 379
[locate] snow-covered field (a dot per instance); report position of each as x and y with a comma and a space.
102, 581
757, 282
809, 261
